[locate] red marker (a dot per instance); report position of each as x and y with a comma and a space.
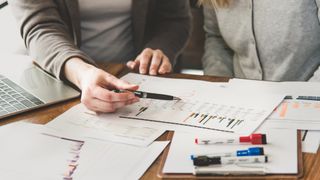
252, 139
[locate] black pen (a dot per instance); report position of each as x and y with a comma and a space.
149, 95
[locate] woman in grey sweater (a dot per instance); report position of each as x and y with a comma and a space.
68, 37
266, 40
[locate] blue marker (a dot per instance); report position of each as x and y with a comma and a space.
253, 151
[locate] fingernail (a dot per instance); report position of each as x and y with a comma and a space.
153, 72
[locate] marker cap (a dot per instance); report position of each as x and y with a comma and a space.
254, 139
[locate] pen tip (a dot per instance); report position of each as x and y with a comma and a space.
176, 98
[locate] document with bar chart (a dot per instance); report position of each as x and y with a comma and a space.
296, 114
299, 110
203, 105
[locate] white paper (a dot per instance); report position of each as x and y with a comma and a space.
290, 88
16, 175
25, 152
291, 113
203, 105
281, 150
310, 141
116, 161
79, 122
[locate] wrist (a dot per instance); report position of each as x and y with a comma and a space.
74, 70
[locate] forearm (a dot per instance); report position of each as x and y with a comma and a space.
46, 36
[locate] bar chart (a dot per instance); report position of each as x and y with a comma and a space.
199, 114
297, 110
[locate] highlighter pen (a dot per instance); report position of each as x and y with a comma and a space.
253, 151
253, 139
149, 95
206, 161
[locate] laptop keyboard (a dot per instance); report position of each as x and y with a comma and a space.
13, 98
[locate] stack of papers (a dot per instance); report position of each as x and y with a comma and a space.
34, 152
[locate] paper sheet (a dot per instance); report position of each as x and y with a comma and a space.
281, 149
31, 155
79, 122
291, 113
116, 161
204, 105
27, 153
310, 141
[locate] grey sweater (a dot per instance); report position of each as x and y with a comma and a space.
264, 39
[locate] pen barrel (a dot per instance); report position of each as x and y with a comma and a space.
158, 96
244, 160
253, 151
226, 154
217, 141
209, 170
142, 94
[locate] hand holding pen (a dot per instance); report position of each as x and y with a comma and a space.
96, 85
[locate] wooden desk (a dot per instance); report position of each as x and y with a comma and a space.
46, 114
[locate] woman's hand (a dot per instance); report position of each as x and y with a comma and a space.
151, 62
96, 86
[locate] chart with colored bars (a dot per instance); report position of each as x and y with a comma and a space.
203, 104
297, 110
195, 114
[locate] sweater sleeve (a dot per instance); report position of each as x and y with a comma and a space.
46, 36
172, 27
218, 57
316, 75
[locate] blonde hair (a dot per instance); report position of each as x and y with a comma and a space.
213, 3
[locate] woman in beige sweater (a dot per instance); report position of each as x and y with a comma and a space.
68, 37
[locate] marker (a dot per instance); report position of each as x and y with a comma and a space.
253, 139
253, 151
212, 170
142, 94
206, 161
312, 98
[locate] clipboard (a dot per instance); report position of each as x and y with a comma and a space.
173, 176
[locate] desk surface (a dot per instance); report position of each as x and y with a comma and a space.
46, 114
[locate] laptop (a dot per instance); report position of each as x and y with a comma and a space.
24, 86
